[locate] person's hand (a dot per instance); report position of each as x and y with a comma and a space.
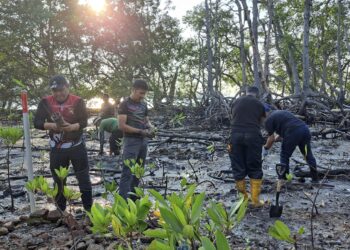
52, 126
265, 152
70, 127
147, 133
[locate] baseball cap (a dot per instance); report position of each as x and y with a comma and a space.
58, 82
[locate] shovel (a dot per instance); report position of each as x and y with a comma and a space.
276, 210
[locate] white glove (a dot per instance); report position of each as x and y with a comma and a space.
265, 152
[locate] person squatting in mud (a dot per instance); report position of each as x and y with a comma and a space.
65, 116
111, 125
134, 122
245, 148
294, 133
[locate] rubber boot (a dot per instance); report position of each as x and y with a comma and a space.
314, 174
241, 187
255, 189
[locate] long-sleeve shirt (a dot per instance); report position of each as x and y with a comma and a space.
73, 110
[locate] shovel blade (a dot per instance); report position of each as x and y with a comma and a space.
276, 211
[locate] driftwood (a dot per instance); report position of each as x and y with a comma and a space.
336, 173
195, 137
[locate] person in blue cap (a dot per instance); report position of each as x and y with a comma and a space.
65, 116
295, 133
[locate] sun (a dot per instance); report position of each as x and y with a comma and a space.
97, 5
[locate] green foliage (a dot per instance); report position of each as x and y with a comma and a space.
62, 173
225, 220
281, 231
70, 194
100, 218
211, 148
40, 184
289, 177
181, 215
178, 119
10, 135
136, 168
110, 187
221, 242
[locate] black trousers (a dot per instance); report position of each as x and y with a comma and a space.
115, 141
78, 157
299, 137
245, 155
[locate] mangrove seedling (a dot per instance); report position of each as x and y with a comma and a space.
9, 136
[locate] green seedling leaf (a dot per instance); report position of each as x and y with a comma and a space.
280, 231
242, 211
183, 182
301, 231
158, 245
214, 216
10, 135
221, 241
207, 244
62, 173
179, 214
156, 233
197, 208
171, 219
289, 177
158, 197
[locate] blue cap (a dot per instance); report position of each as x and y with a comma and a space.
58, 82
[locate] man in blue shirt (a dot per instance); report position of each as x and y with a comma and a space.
294, 133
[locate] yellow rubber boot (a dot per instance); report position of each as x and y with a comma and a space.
255, 189
241, 187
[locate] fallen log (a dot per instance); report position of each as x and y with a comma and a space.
194, 137
332, 174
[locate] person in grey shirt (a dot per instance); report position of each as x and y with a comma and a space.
137, 129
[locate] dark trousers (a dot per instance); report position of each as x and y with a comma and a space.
133, 148
78, 157
245, 155
115, 141
300, 137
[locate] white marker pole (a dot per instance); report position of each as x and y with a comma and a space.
28, 148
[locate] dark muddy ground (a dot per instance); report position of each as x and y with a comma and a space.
331, 226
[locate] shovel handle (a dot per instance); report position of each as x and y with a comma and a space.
279, 185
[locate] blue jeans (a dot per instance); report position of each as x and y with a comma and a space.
300, 137
245, 155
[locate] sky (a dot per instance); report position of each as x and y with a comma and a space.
181, 7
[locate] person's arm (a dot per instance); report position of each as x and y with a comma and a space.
81, 113
41, 117
269, 142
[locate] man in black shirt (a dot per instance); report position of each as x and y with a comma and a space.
134, 122
294, 133
107, 108
65, 116
246, 143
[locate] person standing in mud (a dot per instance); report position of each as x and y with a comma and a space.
65, 116
294, 133
107, 108
246, 142
134, 122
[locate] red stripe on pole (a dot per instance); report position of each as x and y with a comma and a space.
24, 98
